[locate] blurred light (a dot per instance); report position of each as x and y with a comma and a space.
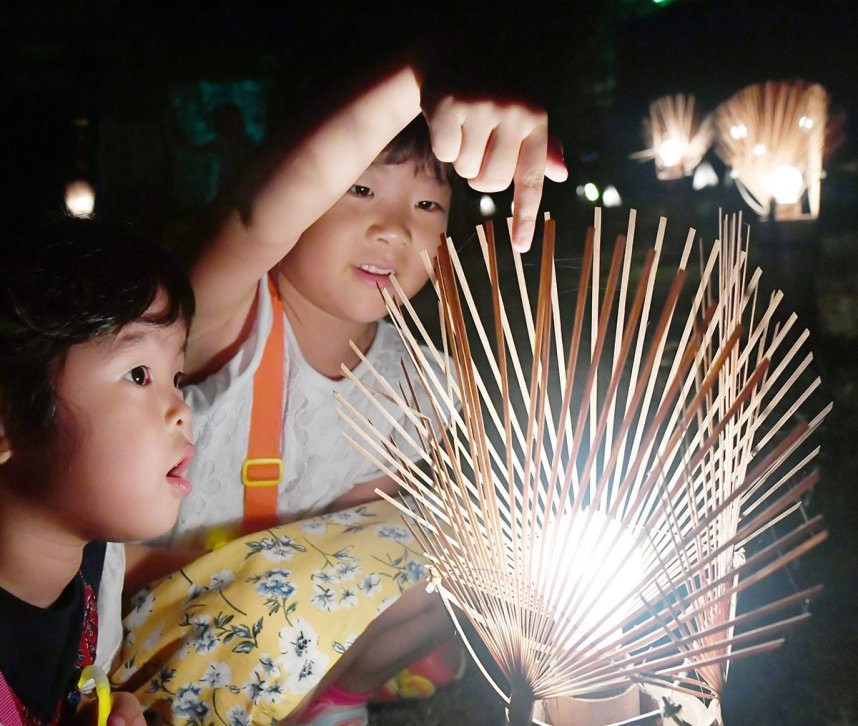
759, 149
611, 197
806, 123
670, 152
487, 205
739, 131
602, 567
704, 176
786, 184
591, 192
80, 198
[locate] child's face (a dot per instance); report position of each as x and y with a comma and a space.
380, 226
124, 437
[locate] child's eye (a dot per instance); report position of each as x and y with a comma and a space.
139, 375
359, 190
429, 206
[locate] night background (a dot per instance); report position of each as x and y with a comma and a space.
126, 95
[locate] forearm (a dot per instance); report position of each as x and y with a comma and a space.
363, 493
323, 166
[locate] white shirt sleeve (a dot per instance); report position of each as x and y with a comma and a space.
110, 606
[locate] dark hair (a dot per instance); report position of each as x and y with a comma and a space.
64, 283
413, 144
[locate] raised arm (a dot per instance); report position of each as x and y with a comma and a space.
303, 185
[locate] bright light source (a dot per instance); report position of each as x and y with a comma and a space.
671, 151
611, 197
739, 131
786, 184
80, 198
602, 567
759, 149
487, 205
805, 123
704, 176
591, 192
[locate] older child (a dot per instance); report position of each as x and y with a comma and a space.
342, 211
331, 224
95, 443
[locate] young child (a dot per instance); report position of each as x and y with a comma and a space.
343, 210
331, 223
95, 443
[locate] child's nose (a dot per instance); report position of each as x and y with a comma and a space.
178, 412
390, 230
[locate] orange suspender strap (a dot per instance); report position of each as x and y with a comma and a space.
263, 468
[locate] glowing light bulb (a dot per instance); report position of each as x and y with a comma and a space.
594, 567
487, 205
671, 151
611, 197
80, 198
786, 184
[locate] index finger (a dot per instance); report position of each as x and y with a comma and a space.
527, 190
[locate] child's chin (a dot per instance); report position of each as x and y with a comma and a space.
154, 527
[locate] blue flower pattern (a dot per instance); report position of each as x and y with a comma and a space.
249, 628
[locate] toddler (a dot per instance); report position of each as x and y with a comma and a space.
95, 444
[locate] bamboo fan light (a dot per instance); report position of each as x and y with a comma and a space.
601, 488
772, 135
678, 136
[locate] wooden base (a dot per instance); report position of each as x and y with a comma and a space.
591, 711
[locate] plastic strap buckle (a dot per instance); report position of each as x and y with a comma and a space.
273, 482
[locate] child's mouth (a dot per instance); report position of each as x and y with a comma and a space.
374, 275
176, 475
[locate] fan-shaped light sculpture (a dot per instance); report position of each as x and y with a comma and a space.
772, 136
603, 465
678, 136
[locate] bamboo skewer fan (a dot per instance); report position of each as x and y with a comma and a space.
772, 136
678, 136
597, 491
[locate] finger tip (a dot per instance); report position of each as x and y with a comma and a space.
521, 240
557, 172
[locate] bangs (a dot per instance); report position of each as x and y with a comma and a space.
413, 144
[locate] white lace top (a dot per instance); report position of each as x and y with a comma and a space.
110, 605
319, 465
